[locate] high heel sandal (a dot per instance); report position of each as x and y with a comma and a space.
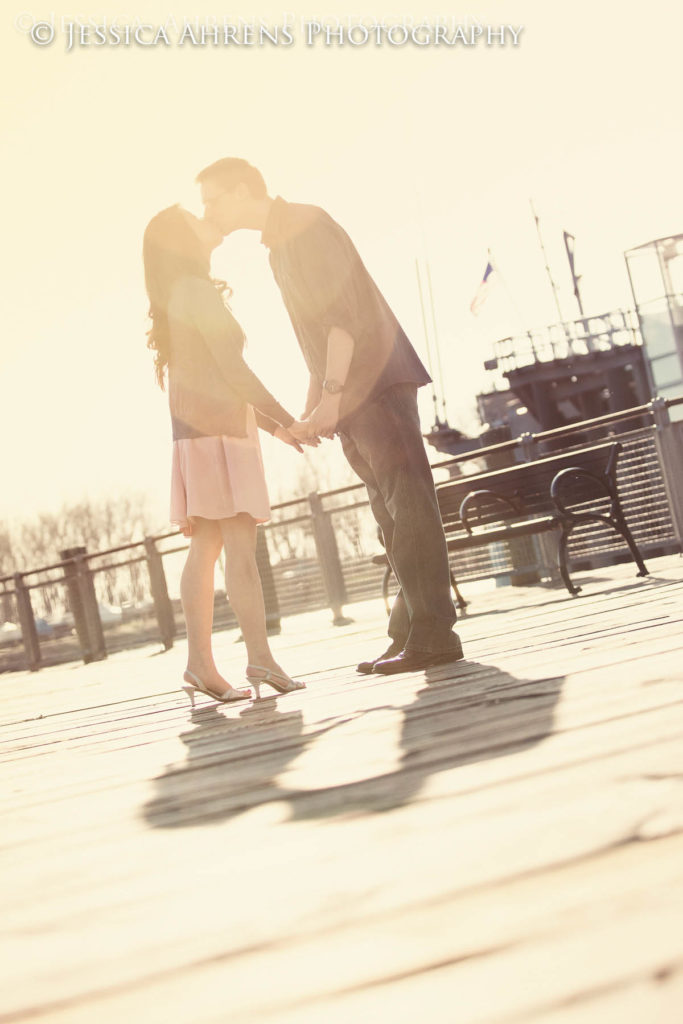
278, 680
197, 686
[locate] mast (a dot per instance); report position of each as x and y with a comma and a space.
436, 343
429, 351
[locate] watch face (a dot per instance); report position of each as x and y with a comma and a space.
333, 387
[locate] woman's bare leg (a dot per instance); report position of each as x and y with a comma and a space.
196, 595
243, 587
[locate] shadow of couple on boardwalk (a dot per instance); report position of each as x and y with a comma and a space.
459, 715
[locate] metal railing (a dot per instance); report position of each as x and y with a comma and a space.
316, 550
572, 338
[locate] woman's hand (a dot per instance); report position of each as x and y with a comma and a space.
284, 435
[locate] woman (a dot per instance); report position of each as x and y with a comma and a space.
218, 491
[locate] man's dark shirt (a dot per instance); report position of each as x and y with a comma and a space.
324, 284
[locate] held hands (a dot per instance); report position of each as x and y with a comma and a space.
286, 436
300, 429
322, 422
289, 435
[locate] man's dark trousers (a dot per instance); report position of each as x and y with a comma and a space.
383, 443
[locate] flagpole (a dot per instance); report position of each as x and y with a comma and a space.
545, 257
429, 352
575, 278
436, 344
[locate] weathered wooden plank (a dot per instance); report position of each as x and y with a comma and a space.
516, 952
233, 863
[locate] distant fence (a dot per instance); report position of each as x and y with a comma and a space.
316, 551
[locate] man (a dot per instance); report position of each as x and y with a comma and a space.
364, 376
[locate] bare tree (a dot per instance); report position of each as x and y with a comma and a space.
95, 525
322, 470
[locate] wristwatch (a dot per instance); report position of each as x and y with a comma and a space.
333, 387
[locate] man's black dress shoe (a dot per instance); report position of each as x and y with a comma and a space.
414, 661
366, 667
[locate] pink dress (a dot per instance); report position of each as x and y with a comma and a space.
218, 477
215, 402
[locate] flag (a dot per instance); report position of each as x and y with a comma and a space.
483, 290
569, 244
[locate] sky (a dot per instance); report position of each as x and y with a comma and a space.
428, 153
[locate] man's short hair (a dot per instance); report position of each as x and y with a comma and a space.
232, 171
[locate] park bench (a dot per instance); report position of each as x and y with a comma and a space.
550, 495
382, 559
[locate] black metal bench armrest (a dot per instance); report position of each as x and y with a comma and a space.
556, 486
475, 496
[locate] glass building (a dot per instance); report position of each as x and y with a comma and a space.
655, 271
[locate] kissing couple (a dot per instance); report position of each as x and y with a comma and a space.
363, 380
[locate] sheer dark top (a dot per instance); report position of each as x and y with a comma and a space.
210, 385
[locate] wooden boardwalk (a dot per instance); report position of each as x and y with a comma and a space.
497, 841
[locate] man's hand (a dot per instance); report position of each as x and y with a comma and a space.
324, 418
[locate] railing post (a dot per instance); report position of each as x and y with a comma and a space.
92, 612
6, 600
669, 445
270, 598
162, 602
29, 633
328, 556
83, 604
541, 547
527, 446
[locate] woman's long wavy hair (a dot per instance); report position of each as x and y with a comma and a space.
171, 250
